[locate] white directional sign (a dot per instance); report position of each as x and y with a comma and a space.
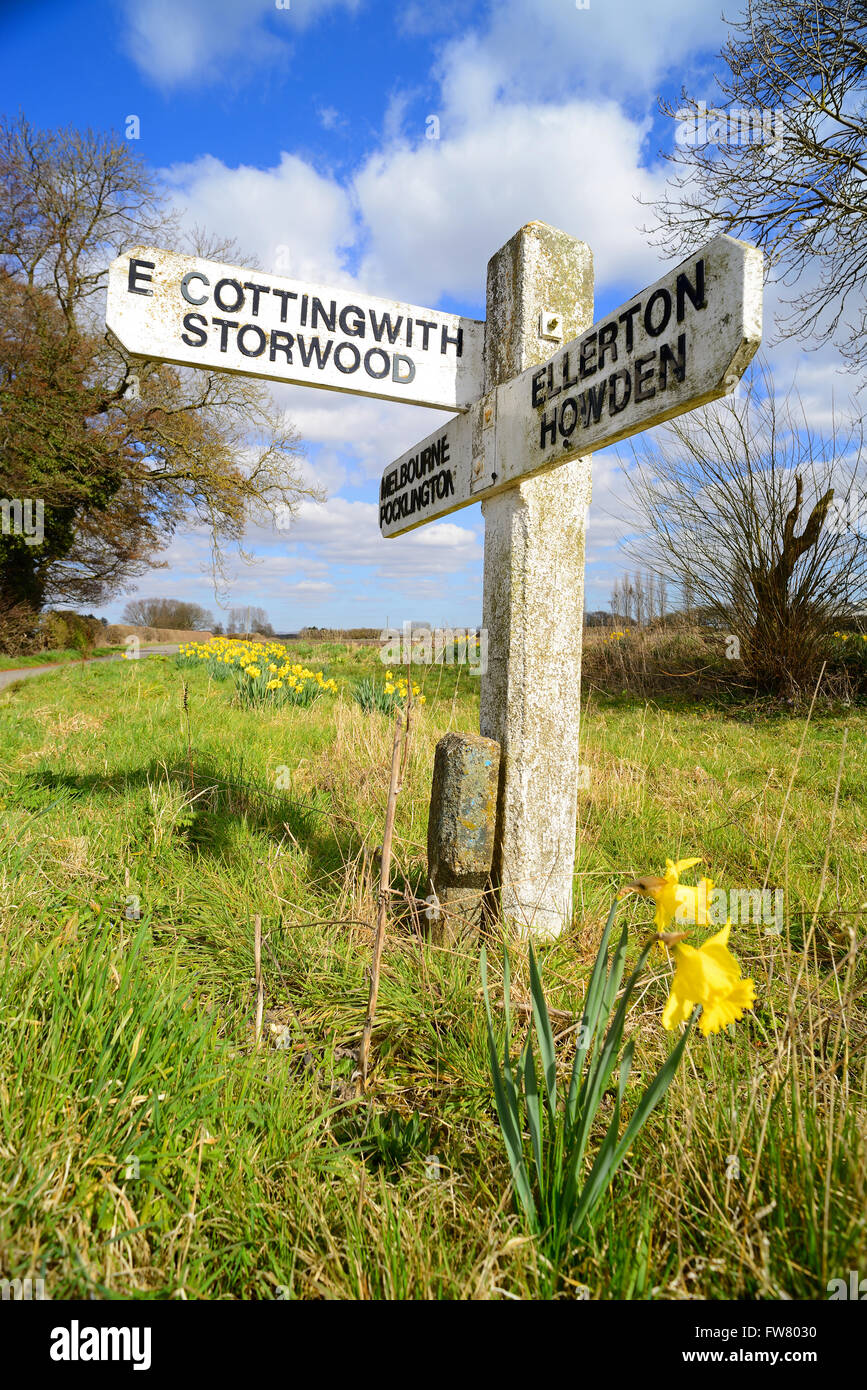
199, 313
683, 342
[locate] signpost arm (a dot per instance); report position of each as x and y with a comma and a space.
533, 605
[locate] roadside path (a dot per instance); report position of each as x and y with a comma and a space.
24, 673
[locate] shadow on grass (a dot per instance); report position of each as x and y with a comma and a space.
219, 799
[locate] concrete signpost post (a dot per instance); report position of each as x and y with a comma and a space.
538, 388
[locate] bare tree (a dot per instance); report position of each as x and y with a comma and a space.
242, 621
796, 72
167, 612
760, 520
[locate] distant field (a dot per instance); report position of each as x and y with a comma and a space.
147, 1149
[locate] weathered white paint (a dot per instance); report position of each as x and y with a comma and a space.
200, 313
546, 415
534, 598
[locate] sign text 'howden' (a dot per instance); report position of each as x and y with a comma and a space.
681, 343
200, 313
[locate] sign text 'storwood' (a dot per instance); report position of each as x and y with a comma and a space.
200, 313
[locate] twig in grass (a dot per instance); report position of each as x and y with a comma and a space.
401, 735
260, 984
189, 740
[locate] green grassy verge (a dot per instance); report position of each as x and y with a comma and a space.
147, 1149
51, 658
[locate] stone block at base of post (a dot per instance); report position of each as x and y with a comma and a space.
461, 829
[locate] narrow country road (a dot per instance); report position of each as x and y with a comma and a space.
25, 672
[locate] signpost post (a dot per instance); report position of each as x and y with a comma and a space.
537, 388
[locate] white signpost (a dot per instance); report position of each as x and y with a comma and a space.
530, 417
684, 341
199, 313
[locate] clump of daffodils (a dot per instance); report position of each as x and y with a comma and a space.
398, 686
709, 974
264, 671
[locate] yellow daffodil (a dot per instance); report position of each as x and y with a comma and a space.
708, 975
674, 900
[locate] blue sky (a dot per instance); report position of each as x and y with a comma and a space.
301, 129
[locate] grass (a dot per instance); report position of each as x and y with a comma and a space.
148, 1149
51, 658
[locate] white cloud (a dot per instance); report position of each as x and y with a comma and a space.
295, 221
175, 41
437, 210
358, 429
340, 532
532, 49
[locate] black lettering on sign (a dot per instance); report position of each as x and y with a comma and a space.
355, 327
624, 377
667, 359
284, 296
592, 400
538, 391
185, 286
368, 363
318, 311
456, 339
660, 296
425, 325
260, 339
386, 326
568, 417
548, 427
237, 292
224, 326
607, 336
399, 360
643, 377
256, 290
280, 342
198, 326
587, 365
694, 293
626, 318
348, 347
314, 346
137, 269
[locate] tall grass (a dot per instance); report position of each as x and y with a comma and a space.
260, 1173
